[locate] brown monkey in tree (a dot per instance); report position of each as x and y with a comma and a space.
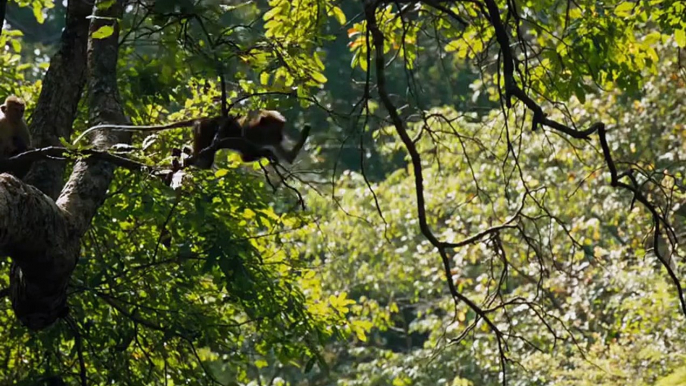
14, 134
254, 136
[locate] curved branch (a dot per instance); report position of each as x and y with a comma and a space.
539, 118
378, 41
506, 225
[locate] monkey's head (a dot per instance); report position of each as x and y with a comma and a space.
271, 124
13, 108
272, 117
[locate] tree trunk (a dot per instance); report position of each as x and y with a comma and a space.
42, 236
62, 88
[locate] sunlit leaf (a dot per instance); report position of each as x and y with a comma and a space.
103, 32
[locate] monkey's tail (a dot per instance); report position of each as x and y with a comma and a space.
114, 127
299, 145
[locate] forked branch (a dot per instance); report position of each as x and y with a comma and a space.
378, 43
512, 89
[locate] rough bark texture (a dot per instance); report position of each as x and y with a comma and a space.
62, 88
87, 186
42, 236
34, 232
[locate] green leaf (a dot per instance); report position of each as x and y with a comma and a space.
624, 9
103, 5
680, 37
16, 45
38, 12
339, 15
269, 15
248, 213
580, 94
103, 32
319, 77
402, 380
652, 38
310, 365
360, 333
453, 45
363, 61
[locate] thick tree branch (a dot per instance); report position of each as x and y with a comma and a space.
34, 231
87, 186
60, 94
42, 236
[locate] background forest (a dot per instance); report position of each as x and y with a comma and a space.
493, 193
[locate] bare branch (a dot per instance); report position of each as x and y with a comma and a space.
378, 42
506, 225
539, 118
57, 152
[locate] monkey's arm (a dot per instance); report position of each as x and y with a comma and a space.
204, 159
24, 135
19, 145
6, 130
248, 150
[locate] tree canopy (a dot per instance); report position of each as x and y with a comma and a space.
492, 193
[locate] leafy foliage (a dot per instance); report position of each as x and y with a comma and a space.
221, 280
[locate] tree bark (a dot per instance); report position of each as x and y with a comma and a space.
41, 236
34, 233
59, 98
87, 187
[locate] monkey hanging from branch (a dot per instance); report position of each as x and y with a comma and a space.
256, 135
253, 136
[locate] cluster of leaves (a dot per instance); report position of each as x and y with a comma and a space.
219, 281
552, 276
186, 284
570, 281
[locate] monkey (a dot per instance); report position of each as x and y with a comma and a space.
14, 133
253, 136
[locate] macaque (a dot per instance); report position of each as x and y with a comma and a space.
254, 136
14, 134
